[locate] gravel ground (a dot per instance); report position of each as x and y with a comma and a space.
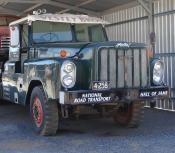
155, 135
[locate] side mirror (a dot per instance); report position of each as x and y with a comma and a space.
14, 51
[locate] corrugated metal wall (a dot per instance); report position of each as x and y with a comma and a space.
131, 25
129, 31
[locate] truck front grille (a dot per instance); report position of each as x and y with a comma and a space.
122, 68
5, 42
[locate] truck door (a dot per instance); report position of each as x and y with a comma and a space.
13, 76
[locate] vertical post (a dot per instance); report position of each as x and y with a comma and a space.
148, 5
151, 30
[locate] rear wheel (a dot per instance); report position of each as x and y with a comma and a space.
1, 92
44, 114
129, 115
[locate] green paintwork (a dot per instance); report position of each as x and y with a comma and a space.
35, 70
40, 64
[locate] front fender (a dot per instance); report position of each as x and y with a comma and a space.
45, 71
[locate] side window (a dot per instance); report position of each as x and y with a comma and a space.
24, 34
82, 32
97, 33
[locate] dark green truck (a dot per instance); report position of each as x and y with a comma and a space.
61, 65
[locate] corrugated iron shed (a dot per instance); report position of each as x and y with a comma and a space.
91, 7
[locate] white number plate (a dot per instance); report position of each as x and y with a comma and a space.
100, 85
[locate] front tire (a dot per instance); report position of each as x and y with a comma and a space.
44, 114
129, 115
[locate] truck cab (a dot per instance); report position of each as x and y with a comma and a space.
62, 65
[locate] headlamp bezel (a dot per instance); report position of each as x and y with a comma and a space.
67, 73
153, 64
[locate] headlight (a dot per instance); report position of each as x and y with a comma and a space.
67, 80
69, 67
68, 74
157, 72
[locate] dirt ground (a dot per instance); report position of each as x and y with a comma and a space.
88, 135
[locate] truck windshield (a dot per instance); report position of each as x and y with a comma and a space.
89, 33
61, 32
51, 32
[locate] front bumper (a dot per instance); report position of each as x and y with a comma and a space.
112, 96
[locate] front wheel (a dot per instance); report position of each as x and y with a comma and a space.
129, 115
44, 114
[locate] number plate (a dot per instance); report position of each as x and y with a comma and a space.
153, 93
100, 85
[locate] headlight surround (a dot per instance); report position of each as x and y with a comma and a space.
157, 71
68, 74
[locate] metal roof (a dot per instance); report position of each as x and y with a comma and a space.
91, 7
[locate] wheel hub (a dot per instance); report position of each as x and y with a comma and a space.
37, 112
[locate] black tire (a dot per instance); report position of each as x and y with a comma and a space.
129, 115
1, 100
44, 114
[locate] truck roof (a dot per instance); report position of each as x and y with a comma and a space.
62, 18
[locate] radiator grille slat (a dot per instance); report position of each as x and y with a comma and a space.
121, 76
113, 68
136, 69
128, 68
123, 68
104, 65
144, 67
